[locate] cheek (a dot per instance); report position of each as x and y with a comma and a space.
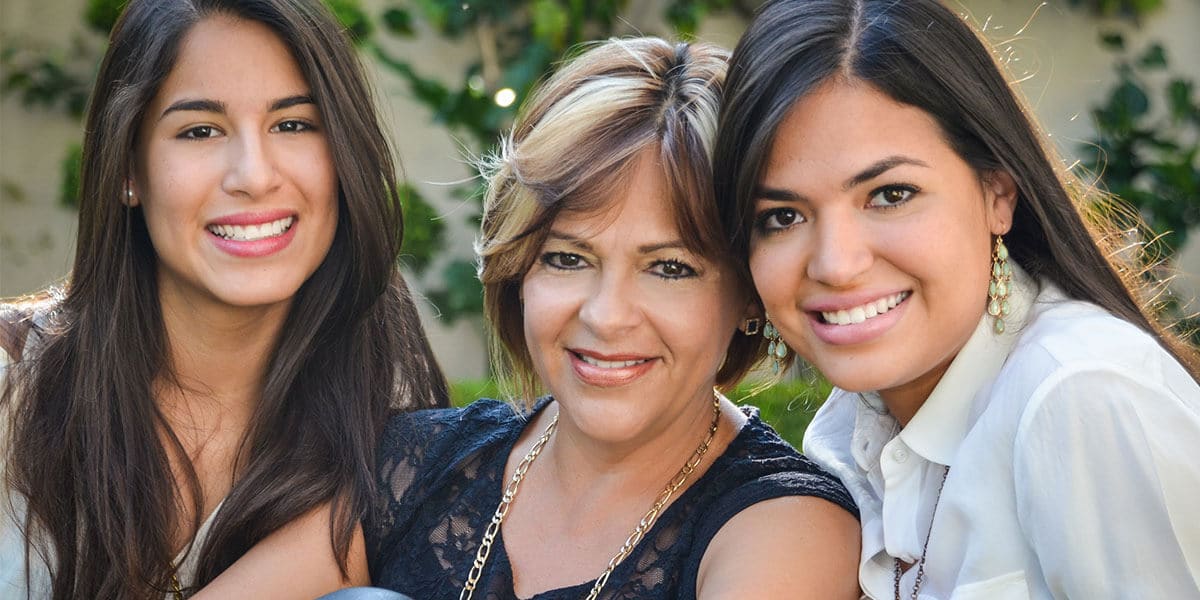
776, 270
546, 307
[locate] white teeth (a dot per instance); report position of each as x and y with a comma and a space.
609, 364
867, 311
250, 233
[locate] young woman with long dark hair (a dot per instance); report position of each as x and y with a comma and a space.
1011, 417
234, 331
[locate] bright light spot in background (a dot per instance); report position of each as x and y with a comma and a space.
476, 83
505, 97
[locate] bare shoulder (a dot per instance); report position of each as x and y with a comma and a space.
297, 561
790, 547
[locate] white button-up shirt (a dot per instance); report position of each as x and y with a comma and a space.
1073, 442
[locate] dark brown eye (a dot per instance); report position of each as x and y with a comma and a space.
672, 269
563, 260
892, 195
778, 219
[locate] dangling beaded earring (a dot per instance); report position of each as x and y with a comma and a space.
1000, 285
777, 350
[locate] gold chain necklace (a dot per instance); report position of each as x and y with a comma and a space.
510, 493
176, 589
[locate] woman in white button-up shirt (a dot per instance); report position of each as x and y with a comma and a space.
1012, 421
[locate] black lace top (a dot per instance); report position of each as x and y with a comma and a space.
442, 474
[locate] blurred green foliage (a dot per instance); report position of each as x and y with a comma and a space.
1147, 152
1147, 144
1131, 9
788, 406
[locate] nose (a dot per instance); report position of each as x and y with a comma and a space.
842, 250
611, 308
251, 170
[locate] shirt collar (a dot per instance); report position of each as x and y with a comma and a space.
939, 426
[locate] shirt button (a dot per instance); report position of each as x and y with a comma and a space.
900, 454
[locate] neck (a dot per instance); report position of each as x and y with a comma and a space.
217, 363
592, 470
904, 401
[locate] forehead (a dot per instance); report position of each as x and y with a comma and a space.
640, 208
239, 62
842, 126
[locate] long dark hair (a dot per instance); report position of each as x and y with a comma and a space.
85, 450
920, 53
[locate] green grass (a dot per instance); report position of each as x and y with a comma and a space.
788, 406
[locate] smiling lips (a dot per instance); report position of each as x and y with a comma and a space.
858, 324
253, 235
870, 310
608, 370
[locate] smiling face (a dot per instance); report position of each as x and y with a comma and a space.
233, 173
872, 240
624, 325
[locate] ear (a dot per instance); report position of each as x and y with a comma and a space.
1000, 193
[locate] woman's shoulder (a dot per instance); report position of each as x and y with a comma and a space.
1075, 363
423, 446
759, 465
482, 418
1078, 343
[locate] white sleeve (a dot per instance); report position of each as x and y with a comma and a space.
1107, 474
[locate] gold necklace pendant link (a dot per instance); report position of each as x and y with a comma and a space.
510, 493
493, 528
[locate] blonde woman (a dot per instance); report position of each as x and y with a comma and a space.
607, 284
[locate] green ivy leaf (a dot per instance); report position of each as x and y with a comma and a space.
398, 21
1112, 40
101, 15
423, 230
1179, 99
550, 22
352, 16
1155, 57
461, 294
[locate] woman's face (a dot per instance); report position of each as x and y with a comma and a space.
233, 171
625, 326
871, 247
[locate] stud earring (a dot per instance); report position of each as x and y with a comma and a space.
1000, 285
777, 350
750, 326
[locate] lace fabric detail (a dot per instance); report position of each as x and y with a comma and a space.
441, 475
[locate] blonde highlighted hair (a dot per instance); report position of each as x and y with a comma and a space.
573, 147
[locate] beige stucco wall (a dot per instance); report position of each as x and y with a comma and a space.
1056, 55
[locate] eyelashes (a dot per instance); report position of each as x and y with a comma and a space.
884, 198
670, 269
288, 126
777, 219
891, 196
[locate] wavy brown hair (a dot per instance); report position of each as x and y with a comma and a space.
920, 53
85, 450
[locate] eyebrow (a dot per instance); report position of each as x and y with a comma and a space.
216, 106
643, 249
879, 168
875, 170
